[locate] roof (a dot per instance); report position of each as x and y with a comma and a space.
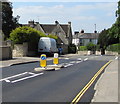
89, 35
65, 28
48, 28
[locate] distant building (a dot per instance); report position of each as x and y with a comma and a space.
63, 31
83, 39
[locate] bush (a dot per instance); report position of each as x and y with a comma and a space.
114, 48
25, 34
82, 48
90, 46
72, 48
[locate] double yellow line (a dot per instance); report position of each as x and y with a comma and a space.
81, 93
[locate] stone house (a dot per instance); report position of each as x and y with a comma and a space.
83, 39
63, 31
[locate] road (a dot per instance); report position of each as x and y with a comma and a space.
21, 84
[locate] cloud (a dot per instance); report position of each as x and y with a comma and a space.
83, 14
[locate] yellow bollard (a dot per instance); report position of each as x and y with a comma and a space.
43, 60
55, 60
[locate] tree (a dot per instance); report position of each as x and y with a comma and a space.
114, 31
111, 35
90, 46
8, 21
103, 40
25, 34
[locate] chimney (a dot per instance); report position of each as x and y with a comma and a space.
69, 23
82, 31
31, 23
76, 32
56, 22
95, 31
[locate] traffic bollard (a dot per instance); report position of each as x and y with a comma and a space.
55, 60
43, 60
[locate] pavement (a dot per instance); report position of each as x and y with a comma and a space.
106, 88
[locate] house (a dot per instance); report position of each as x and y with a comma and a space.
83, 39
63, 31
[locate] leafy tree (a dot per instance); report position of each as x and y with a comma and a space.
90, 46
25, 34
111, 35
114, 31
103, 40
8, 21
72, 48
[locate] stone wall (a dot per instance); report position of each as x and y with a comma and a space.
83, 52
6, 52
97, 53
111, 53
20, 50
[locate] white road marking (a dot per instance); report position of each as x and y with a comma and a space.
68, 65
78, 62
31, 73
85, 59
79, 59
116, 58
72, 62
14, 76
67, 58
26, 78
7, 80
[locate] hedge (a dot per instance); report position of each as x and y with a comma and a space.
82, 48
114, 48
72, 48
27, 34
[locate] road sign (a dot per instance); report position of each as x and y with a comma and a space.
55, 60
43, 60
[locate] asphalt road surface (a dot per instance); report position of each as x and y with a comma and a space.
21, 84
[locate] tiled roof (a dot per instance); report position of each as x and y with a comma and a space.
89, 35
65, 28
48, 28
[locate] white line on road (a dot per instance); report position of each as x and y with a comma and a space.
67, 58
116, 58
31, 73
72, 62
26, 78
68, 65
79, 59
7, 80
85, 59
78, 62
13, 76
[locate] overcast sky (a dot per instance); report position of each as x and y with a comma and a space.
83, 15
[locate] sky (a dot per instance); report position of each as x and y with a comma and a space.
83, 15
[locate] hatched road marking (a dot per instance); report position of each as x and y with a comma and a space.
31, 75
13, 76
34, 75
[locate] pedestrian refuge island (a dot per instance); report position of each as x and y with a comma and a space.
44, 66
